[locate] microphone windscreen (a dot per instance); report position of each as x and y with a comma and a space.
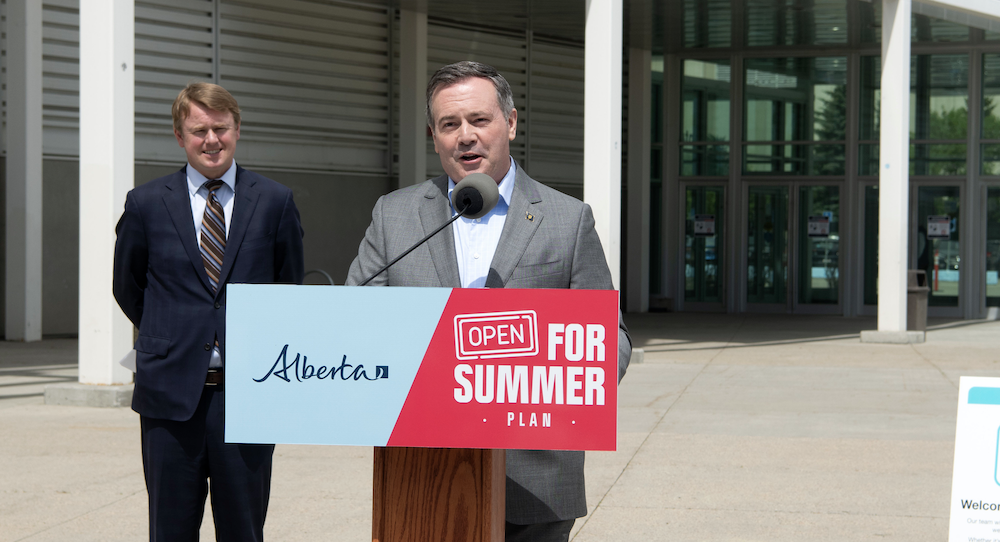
477, 193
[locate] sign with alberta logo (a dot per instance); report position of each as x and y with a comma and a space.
424, 367
975, 493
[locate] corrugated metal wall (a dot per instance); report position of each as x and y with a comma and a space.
313, 79
547, 80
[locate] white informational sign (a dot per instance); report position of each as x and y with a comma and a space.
704, 225
975, 485
819, 226
938, 227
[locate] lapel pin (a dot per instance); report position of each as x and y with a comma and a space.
530, 217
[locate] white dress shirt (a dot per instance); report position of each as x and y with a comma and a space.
199, 199
476, 239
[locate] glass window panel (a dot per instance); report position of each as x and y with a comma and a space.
991, 96
707, 23
993, 247
767, 244
943, 159
938, 111
871, 83
868, 160
819, 244
991, 159
792, 22
871, 245
702, 244
705, 160
706, 101
794, 159
922, 28
990, 35
796, 99
939, 257
929, 29
939, 96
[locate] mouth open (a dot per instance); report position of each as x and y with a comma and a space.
470, 157
216, 151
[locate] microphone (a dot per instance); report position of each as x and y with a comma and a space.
473, 197
477, 193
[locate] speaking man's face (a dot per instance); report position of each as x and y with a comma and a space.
470, 133
209, 139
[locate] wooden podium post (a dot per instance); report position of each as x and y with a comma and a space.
440, 494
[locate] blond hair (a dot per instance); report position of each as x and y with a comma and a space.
207, 95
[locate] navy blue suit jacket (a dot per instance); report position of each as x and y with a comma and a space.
161, 284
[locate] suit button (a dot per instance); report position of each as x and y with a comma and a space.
218, 305
208, 346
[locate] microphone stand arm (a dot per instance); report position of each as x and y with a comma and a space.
418, 243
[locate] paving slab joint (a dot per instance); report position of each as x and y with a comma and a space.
893, 337
89, 395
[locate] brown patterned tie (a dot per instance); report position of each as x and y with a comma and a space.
213, 234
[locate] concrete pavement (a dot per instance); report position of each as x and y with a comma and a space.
736, 427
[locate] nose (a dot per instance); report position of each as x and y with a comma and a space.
467, 134
211, 137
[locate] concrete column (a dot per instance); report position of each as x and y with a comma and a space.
894, 182
107, 162
602, 128
23, 317
412, 87
639, 145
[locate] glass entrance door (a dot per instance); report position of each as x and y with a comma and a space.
767, 244
937, 242
819, 245
703, 234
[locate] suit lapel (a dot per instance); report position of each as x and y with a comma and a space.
434, 211
244, 205
178, 203
523, 219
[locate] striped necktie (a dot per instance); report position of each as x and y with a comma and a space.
213, 234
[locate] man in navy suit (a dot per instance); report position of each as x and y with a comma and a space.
181, 239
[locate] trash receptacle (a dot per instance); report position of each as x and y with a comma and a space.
916, 300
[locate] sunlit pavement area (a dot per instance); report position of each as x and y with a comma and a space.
735, 427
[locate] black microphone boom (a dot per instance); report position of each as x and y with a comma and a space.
473, 197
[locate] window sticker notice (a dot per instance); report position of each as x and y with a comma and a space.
938, 227
819, 226
704, 225
975, 492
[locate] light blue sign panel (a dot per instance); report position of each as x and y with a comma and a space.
984, 396
323, 364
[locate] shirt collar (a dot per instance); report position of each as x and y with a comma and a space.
196, 180
506, 186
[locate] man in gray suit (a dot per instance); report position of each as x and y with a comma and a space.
536, 237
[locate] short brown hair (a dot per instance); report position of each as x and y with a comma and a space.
208, 95
460, 71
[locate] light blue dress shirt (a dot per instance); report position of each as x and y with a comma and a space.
199, 199
476, 239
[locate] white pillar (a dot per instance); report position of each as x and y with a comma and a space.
894, 177
23, 306
412, 87
639, 148
107, 119
602, 127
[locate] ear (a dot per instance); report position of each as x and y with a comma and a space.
512, 125
237, 138
180, 138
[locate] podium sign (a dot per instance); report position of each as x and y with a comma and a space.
975, 493
422, 367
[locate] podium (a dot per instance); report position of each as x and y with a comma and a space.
440, 494
440, 381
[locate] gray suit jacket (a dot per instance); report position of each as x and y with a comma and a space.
548, 241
